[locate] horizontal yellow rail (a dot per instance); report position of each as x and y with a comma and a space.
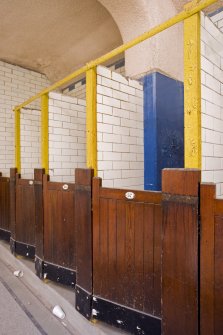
191, 9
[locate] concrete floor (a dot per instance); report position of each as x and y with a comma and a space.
26, 303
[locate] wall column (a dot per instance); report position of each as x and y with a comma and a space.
91, 121
192, 92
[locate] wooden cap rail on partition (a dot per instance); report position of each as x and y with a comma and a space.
181, 181
83, 176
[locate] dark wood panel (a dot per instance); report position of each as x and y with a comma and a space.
207, 241
13, 172
180, 283
121, 278
157, 250
181, 181
5, 203
25, 211
148, 241
127, 244
103, 210
180, 250
96, 230
218, 284
24, 182
148, 196
39, 213
84, 246
211, 270
218, 207
130, 254
138, 252
59, 224
59, 186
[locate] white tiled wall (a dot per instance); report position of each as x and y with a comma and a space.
120, 130
212, 103
66, 125
67, 136
217, 18
78, 89
16, 85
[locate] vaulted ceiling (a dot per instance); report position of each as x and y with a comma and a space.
57, 36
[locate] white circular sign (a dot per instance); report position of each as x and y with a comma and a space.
130, 195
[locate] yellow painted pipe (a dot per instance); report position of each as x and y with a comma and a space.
17, 141
91, 119
45, 132
192, 92
191, 9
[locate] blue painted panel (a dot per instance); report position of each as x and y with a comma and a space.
164, 112
150, 133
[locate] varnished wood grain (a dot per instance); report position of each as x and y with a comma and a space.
157, 259
218, 272
207, 262
211, 260
96, 229
59, 224
58, 186
5, 203
121, 279
25, 211
39, 219
13, 172
181, 181
218, 207
148, 259
127, 244
110, 193
180, 282
83, 218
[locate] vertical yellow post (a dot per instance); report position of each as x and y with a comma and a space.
45, 132
17, 141
192, 92
91, 119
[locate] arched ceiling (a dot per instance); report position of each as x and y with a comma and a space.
180, 3
55, 37
135, 17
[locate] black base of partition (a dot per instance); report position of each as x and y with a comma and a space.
59, 274
83, 302
12, 245
22, 249
39, 267
125, 318
5, 235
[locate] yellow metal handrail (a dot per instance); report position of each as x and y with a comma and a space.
189, 11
